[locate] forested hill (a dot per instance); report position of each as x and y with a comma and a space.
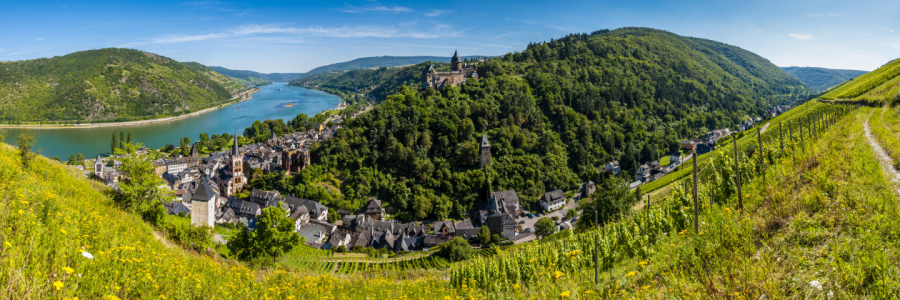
554, 113
821, 79
251, 77
880, 84
103, 85
378, 62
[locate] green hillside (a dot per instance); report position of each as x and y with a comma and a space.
379, 62
882, 83
255, 78
104, 85
554, 113
376, 83
821, 79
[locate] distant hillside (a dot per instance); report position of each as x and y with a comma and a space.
879, 84
105, 85
821, 79
380, 62
377, 83
251, 77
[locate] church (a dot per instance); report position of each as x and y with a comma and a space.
459, 73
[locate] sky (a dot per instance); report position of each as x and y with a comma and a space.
296, 36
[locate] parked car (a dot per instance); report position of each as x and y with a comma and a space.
531, 216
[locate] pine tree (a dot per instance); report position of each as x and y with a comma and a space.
121, 139
129, 137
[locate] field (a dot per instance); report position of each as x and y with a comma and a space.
879, 84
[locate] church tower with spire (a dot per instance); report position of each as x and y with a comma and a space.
237, 166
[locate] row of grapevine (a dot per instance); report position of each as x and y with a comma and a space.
634, 236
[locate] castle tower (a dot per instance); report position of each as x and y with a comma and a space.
195, 153
455, 62
98, 167
485, 152
203, 206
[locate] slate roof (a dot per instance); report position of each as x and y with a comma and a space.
554, 196
203, 192
484, 141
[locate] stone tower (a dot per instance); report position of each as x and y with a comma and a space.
455, 62
485, 152
203, 205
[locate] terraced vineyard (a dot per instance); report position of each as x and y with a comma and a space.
882, 83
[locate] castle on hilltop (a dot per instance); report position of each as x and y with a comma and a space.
456, 77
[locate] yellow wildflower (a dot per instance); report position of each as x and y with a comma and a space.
532, 260
112, 297
63, 231
632, 273
564, 295
58, 285
727, 211
7, 244
68, 270
557, 274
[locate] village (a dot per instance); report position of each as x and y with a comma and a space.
207, 190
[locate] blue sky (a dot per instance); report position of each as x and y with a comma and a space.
296, 36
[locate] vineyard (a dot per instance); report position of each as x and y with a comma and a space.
876, 85
794, 200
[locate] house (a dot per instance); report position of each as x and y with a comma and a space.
501, 213
408, 243
203, 209
337, 239
362, 239
316, 232
687, 145
553, 200
466, 230
373, 210
703, 148
316, 210
675, 158
613, 167
446, 228
434, 240
300, 217
643, 172
507, 200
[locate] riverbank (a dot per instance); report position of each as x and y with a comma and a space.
129, 123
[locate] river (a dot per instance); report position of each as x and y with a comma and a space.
268, 103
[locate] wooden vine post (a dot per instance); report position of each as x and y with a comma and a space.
696, 204
737, 174
596, 252
760, 153
781, 134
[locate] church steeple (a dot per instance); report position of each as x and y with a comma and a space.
485, 152
234, 149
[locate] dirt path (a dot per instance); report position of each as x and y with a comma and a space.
159, 236
887, 164
765, 127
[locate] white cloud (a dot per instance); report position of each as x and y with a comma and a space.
392, 9
38, 39
362, 31
823, 15
889, 30
437, 12
801, 36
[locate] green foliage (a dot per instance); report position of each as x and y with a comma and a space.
544, 227
104, 85
456, 249
377, 83
274, 235
25, 142
143, 188
610, 202
484, 236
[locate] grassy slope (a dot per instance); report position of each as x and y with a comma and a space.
879, 84
47, 215
826, 213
